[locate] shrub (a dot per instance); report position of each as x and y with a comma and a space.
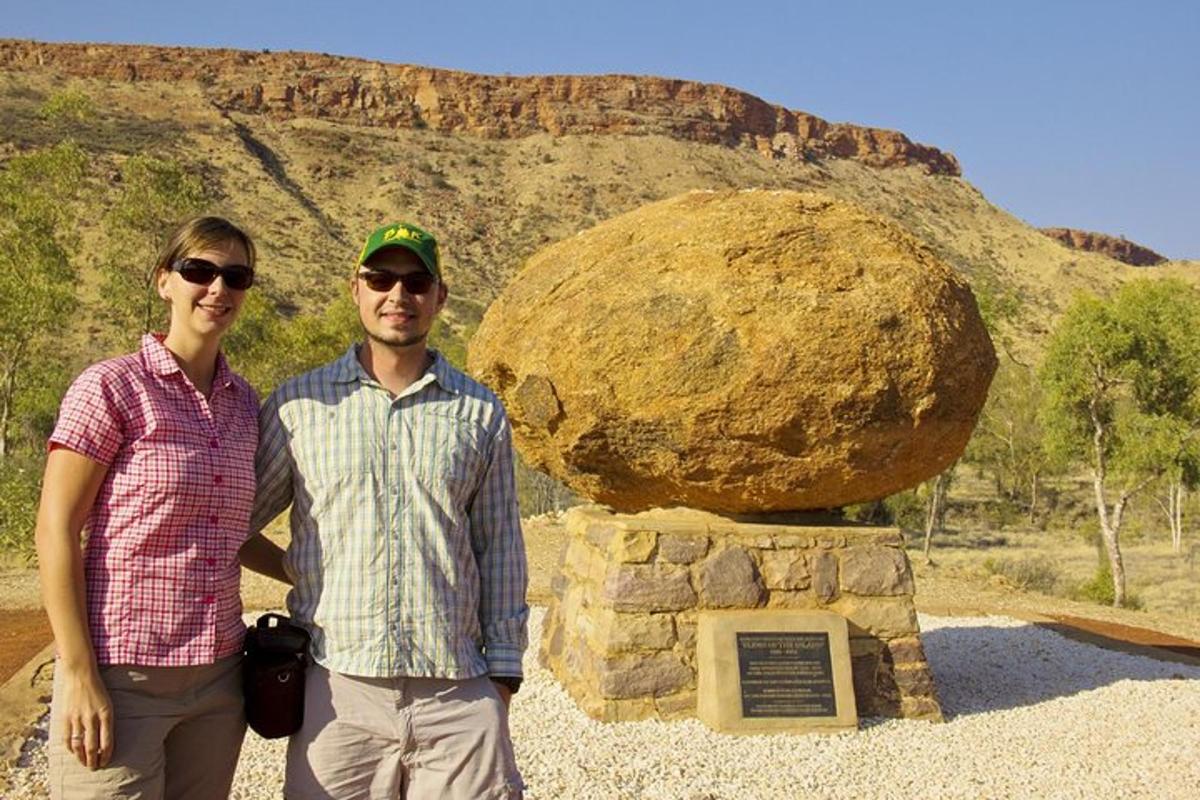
1028, 573
1100, 589
19, 489
874, 513
1001, 513
906, 510
67, 107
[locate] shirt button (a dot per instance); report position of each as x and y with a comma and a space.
213, 443
217, 479
208, 599
212, 562
214, 519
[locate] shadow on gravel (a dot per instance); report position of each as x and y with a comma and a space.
982, 668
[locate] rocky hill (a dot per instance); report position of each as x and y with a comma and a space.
311, 151
305, 85
1117, 247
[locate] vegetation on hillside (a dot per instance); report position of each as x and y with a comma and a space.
90, 182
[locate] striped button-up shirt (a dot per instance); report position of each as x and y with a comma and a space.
406, 550
161, 565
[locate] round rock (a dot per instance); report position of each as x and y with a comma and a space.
749, 351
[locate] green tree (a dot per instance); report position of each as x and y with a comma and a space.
938, 491
1122, 380
267, 348
156, 195
1009, 441
37, 279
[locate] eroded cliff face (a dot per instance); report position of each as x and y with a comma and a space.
1121, 249
288, 85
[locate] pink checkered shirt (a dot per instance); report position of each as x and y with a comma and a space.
161, 561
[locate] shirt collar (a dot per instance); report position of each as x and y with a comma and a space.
348, 369
156, 357
158, 360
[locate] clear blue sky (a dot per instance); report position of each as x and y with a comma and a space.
1082, 114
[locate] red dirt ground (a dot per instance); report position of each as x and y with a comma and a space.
22, 634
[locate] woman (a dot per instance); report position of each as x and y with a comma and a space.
153, 454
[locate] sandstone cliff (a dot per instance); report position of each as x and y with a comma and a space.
289, 85
1119, 248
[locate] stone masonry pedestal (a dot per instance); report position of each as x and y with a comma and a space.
620, 632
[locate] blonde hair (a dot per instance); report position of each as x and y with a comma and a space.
202, 233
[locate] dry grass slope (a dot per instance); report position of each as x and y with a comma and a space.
309, 188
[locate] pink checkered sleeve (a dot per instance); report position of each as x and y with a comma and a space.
89, 419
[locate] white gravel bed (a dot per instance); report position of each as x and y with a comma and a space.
1030, 714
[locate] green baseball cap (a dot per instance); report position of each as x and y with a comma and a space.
403, 234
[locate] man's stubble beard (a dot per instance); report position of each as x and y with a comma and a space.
392, 343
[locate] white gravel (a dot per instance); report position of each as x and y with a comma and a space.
1030, 714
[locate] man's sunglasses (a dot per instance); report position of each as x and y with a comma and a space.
202, 273
413, 282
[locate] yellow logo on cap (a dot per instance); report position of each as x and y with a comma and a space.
402, 233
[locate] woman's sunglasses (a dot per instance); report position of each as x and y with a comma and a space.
202, 273
413, 282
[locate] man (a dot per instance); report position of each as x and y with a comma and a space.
406, 559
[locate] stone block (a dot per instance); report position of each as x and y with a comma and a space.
888, 537
926, 708
914, 680
552, 636
877, 571
906, 651
728, 578
680, 705
681, 549
885, 617
685, 629
759, 541
793, 541
579, 559
824, 570
743, 534
642, 676
600, 534
620, 633
796, 600
632, 547
649, 587
785, 569
578, 518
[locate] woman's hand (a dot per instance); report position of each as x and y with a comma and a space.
87, 717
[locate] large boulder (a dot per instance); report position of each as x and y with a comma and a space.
743, 351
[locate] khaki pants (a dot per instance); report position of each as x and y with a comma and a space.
411, 738
177, 732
